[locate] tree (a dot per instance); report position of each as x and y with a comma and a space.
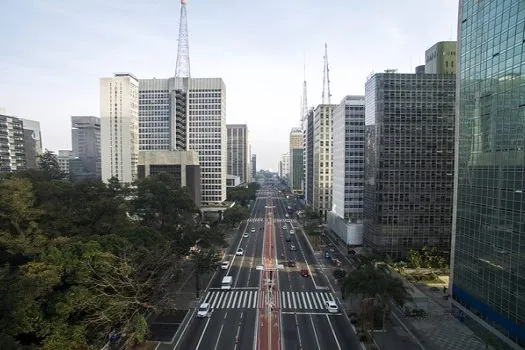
204, 261
48, 164
236, 214
415, 258
374, 282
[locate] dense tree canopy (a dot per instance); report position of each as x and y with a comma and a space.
236, 214
80, 260
243, 194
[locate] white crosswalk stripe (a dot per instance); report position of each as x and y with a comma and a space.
286, 220
304, 300
255, 220
239, 299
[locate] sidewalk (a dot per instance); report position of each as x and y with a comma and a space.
439, 330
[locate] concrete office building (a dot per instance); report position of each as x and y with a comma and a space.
207, 134
162, 114
85, 139
322, 158
254, 166
284, 166
232, 181
238, 153
119, 127
409, 161
346, 217
32, 142
64, 158
183, 165
12, 154
441, 58
295, 177
308, 155
488, 246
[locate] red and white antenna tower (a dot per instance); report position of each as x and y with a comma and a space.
326, 78
182, 69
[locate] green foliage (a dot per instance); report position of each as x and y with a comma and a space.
80, 260
339, 274
48, 164
429, 258
236, 214
243, 194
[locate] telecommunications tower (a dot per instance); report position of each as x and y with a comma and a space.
182, 69
326, 78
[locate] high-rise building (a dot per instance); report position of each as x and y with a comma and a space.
12, 154
238, 156
409, 161
250, 172
488, 246
295, 178
162, 114
441, 58
309, 158
284, 166
119, 127
346, 216
254, 166
322, 158
32, 142
64, 159
207, 134
85, 139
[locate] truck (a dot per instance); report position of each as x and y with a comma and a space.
226, 283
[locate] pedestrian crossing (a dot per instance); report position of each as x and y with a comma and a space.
251, 299
276, 220
286, 220
255, 220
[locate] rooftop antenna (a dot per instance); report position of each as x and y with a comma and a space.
182, 69
326, 78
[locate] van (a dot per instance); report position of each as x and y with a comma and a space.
226, 283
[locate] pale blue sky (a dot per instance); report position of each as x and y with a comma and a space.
55, 51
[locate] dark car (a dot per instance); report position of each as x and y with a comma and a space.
291, 263
305, 273
288, 238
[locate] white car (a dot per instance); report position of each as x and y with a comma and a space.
225, 265
239, 251
331, 307
245, 235
252, 230
292, 232
285, 227
259, 267
204, 310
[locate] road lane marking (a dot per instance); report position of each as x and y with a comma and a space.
203, 332
320, 313
333, 332
315, 333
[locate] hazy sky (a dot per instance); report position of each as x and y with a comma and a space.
55, 51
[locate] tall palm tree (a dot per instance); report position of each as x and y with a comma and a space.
374, 282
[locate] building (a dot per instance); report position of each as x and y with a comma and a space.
322, 159
64, 158
346, 217
162, 114
488, 246
12, 154
284, 166
309, 158
183, 165
238, 152
32, 142
232, 181
207, 134
441, 58
250, 170
295, 177
119, 127
409, 161
85, 139
254, 166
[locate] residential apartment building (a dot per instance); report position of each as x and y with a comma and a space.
284, 166
409, 161
441, 58
488, 246
254, 166
308, 155
64, 159
162, 114
322, 158
346, 217
206, 126
295, 177
12, 153
119, 127
32, 142
238, 153
85, 139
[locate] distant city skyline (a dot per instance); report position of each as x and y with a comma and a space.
56, 52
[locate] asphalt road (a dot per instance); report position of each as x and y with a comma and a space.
304, 321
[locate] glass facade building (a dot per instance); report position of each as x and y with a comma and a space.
488, 262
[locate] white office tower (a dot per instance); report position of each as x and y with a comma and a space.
207, 134
238, 152
119, 127
346, 217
